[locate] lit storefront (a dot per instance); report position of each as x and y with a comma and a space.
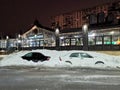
40, 37
95, 37
37, 37
105, 36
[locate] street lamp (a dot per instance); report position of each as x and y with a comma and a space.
19, 36
57, 32
19, 42
85, 36
7, 43
57, 37
35, 37
7, 37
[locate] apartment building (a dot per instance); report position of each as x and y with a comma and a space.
108, 13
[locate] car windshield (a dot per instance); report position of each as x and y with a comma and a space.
74, 55
29, 55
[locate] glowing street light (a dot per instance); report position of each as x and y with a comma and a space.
85, 28
7, 43
19, 42
19, 35
7, 37
57, 32
85, 36
57, 37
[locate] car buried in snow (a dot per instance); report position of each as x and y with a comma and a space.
35, 57
82, 59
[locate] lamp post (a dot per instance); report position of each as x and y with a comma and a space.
7, 43
35, 38
85, 36
19, 42
57, 37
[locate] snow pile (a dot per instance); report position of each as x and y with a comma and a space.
109, 60
16, 60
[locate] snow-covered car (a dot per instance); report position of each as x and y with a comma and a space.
35, 56
81, 58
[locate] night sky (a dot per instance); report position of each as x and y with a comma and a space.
17, 16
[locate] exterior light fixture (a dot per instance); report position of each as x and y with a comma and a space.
85, 28
19, 35
57, 31
85, 36
57, 38
7, 37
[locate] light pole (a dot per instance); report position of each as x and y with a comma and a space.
7, 43
57, 37
35, 37
19, 42
85, 36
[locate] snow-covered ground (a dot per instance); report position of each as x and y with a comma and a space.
16, 60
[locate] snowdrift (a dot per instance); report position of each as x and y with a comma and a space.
16, 60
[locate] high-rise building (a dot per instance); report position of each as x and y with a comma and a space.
108, 13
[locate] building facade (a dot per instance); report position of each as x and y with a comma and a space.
37, 36
103, 21
96, 36
108, 13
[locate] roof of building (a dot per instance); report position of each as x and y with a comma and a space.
36, 22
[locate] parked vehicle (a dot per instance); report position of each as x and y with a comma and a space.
81, 58
35, 56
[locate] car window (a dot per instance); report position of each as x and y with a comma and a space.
85, 55
40, 54
29, 55
74, 55
37, 55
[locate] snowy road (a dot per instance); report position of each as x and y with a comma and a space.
58, 79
